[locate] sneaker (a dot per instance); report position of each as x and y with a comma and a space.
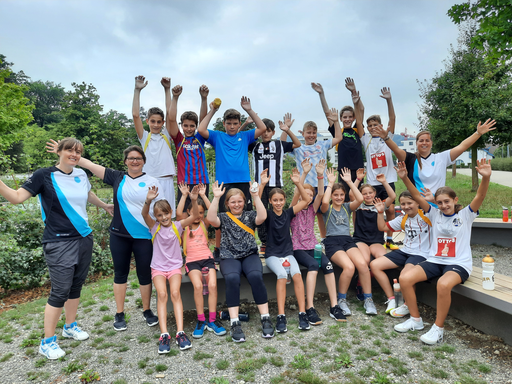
434, 336
267, 329
401, 311
237, 335
303, 321
74, 332
164, 345
342, 303
390, 244
391, 305
337, 313
150, 317
359, 291
370, 306
409, 325
281, 324
199, 330
51, 349
183, 341
216, 327
313, 317
119, 322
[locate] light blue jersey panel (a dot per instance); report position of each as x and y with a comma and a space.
72, 191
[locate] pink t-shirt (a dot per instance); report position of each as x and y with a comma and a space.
166, 248
197, 245
303, 229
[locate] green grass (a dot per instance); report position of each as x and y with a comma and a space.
300, 362
222, 364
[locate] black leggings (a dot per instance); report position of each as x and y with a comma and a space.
307, 259
121, 249
251, 267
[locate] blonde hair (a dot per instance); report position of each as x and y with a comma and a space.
308, 125
232, 192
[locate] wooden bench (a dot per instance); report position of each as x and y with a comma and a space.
488, 311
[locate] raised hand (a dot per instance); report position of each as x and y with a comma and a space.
320, 167
183, 188
204, 91
332, 117
379, 131
361, 173
427, 194
283, 126
139, 82
317, 87
379, 205
288, 119
109, 208
264, 177
176, 90
484, 167
386, 93
306, 165
356, 97
152, 193
249, 120
213, 107
346, 175
194, 193
486, 127
295, 177
166, 82
217, 190
246, 103
52, 146
350, 85
331, 175
381, 178
401, 170
202, 189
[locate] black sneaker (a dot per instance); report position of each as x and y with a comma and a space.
119, 322
313, 317
216, 255
150, 317
281, 324
267, 329
236, 332
337, 314
183, 341
303, 321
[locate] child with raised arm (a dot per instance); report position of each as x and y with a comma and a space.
198, 258
350, 151
304, 241
167, 262
450, 253
280, 247
417, 242
231, 156
239, 254
190, 154
269, 154
340, 248
380, 160
157, 142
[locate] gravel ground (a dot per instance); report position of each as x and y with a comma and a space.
363, 350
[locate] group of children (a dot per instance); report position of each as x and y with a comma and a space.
436, 241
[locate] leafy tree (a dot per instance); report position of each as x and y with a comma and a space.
469, 90
494, 34
18, 78
47, 98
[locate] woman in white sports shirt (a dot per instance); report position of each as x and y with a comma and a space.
450, 254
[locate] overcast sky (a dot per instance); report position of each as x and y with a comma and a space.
270, 51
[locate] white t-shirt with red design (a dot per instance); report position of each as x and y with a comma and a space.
379, 159
452, 235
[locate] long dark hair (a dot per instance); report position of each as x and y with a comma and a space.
418, 157
451, 194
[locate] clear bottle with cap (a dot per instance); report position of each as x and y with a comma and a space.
399, 299
505, 214
287, 265
488, 273
318, 254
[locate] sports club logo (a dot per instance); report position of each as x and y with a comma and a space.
379, 160
445, 247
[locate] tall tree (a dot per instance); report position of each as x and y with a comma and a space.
47, 98
494, 33
469, 90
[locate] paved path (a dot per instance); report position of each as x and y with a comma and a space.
499, 177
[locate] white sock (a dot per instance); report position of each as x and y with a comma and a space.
265, 315
234, 320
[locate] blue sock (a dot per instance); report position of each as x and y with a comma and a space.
367, 295
389, 238
342, 295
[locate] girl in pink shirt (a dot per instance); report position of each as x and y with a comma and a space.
199, 258
167, 262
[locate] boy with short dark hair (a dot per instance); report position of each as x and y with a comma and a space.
157, 142
269, 154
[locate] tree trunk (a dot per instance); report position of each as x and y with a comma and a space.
474, 173
454, 171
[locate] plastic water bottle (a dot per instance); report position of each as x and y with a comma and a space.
287, 265
399, 299
488, 273
242, 316
205, 271
318, 254
505, 214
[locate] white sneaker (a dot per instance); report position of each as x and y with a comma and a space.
51, 349
434, 336
75, 332
391, 305
370, 306
342, 303
409, 325
401, 311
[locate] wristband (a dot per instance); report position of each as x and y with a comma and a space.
478, 133
386, 138
147, 203
320, 178
359, 179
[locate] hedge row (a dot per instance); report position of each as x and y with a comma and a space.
502, 164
